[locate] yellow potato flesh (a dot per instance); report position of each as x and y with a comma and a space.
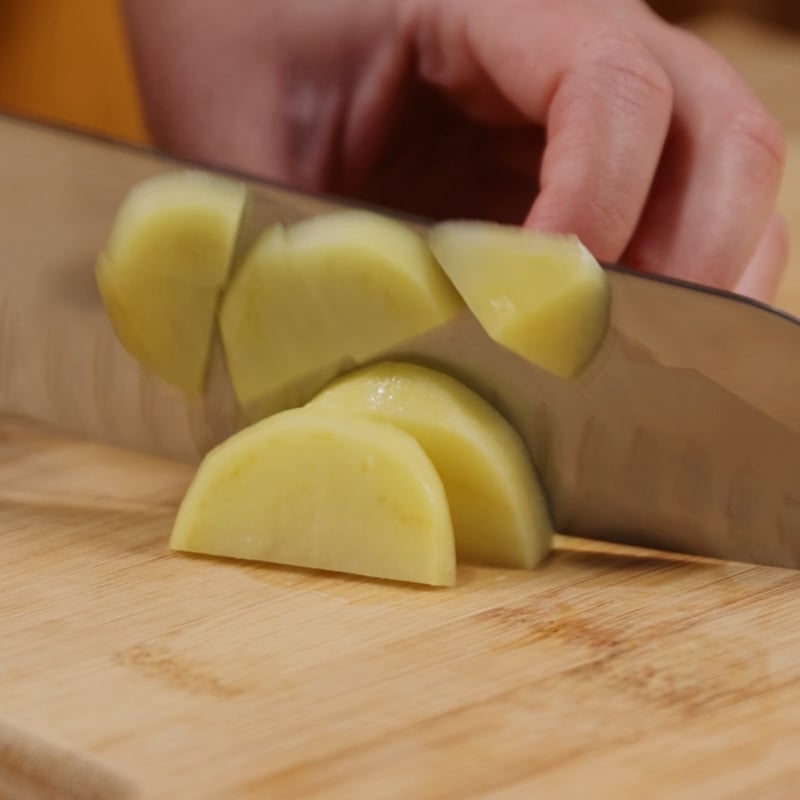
269, 339
541, 295
335, 289
322, 489
499, 511
164, 266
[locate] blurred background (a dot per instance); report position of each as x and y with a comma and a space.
783, 12
68, 60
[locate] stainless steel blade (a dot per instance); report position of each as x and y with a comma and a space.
683, 434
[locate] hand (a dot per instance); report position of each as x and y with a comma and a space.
588, 116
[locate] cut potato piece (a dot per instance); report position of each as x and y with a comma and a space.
499, 511
322, 489
166, 261
335, 289
541, 295
270, 342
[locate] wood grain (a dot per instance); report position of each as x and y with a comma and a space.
128, 671
185, 675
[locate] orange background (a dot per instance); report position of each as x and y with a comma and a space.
68, 60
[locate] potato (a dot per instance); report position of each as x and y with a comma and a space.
166, 261
335, 289
540, 295
313, 487
499, 511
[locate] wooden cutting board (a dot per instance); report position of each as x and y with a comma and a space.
128, 671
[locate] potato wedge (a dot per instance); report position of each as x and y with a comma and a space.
544, 296
499, 511
164, 266
335, 289
313, 487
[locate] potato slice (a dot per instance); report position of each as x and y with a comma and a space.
166, 261
499, 511
322, 489
543, 296
335, 289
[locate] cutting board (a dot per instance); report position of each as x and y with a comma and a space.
129, 671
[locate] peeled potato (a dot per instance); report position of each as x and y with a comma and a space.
317, 488
541, 295
499, 511
335, 289
166, 261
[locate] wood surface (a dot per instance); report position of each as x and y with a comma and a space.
128, 671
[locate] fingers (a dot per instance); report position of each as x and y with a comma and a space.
762, 275
718, 180
196, 110
606, 104
604, 100
606, 127
656, 153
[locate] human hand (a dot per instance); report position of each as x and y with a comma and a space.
587, 116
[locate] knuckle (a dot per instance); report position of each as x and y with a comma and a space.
758, 138
604, 227
604, 216
628, 72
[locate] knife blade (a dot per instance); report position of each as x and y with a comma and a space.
683, 434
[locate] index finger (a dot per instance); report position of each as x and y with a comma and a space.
603, 99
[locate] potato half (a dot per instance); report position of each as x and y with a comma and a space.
499, 510
543, 296
335, 289
325, 489
164, 266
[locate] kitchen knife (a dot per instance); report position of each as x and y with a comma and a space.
683, 433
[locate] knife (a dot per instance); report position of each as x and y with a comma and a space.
683, 434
